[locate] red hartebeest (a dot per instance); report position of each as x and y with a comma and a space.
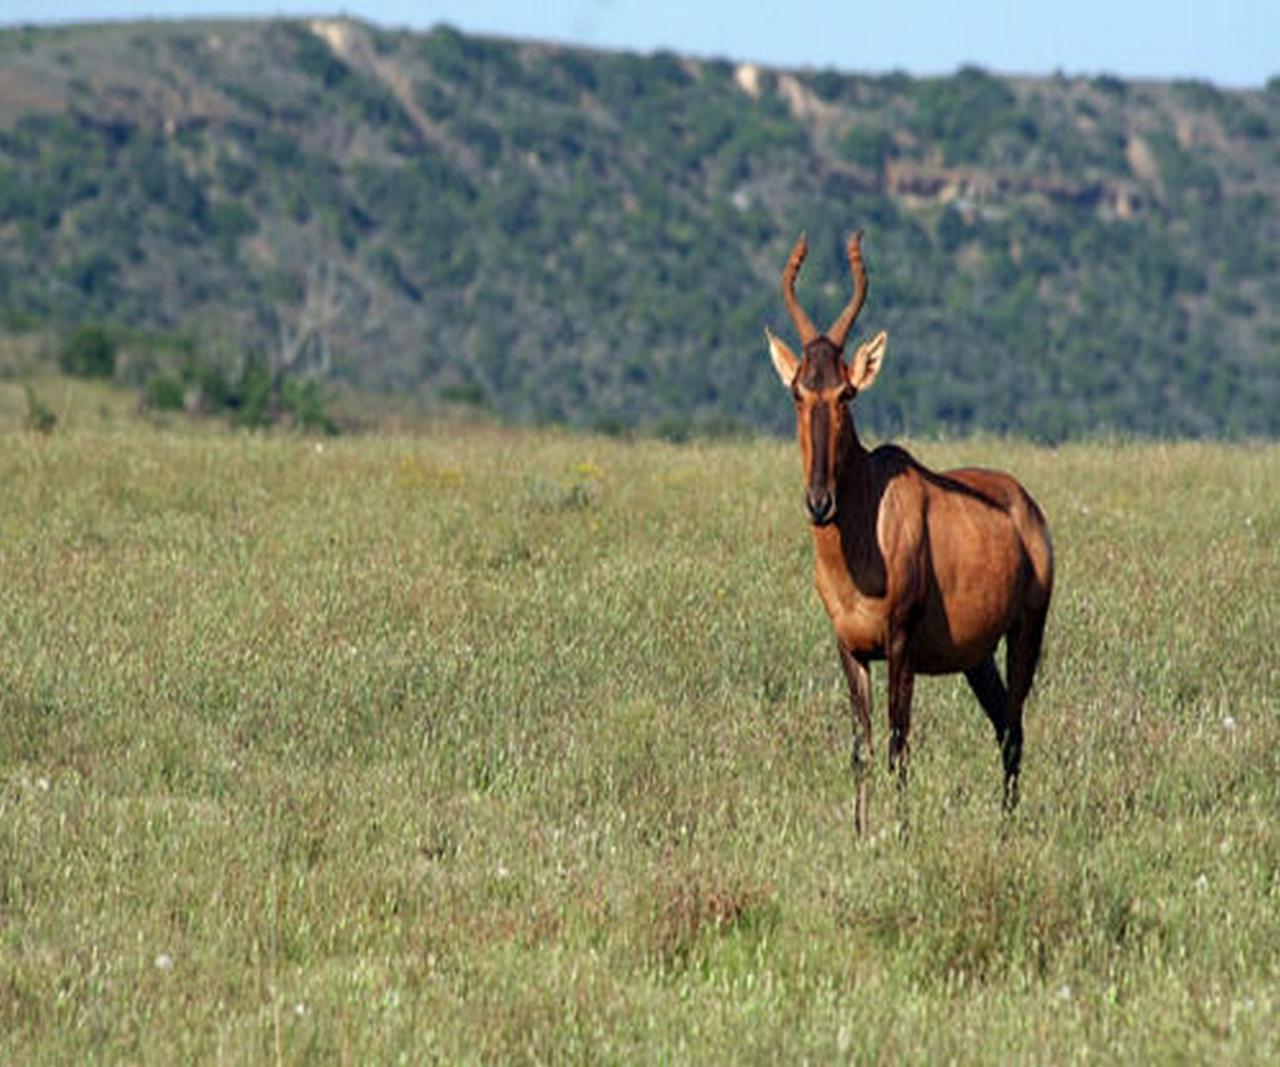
925, 570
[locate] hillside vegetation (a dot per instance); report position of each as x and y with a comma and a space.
595, 238
511, 747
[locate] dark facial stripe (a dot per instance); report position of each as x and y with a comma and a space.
819, 446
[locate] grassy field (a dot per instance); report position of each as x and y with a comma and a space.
486, 746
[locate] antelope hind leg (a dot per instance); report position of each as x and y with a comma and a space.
901, 686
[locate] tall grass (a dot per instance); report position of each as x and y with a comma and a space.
497, 746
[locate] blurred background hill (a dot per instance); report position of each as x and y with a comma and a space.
217, 212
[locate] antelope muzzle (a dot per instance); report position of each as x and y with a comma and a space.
821, 505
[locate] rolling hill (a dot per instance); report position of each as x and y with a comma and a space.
595, 238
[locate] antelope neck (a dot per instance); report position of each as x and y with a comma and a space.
855, 469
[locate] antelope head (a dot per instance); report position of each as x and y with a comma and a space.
822, 383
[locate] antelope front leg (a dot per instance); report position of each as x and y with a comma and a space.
858, 676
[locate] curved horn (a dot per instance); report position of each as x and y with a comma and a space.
839, 332
804, 326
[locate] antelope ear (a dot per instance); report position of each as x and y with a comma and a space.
867, 360
784, 360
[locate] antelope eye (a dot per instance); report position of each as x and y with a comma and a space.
847, 393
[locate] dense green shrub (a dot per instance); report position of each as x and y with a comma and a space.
434, 100
469, 393
249, 399
305, 405
867, 146
1110, 84
952, 230
829, 84
964, 112
163, 392
229, 220
581, 70
471, 63
1184, 173
90, 352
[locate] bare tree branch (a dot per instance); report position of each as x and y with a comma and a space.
304, 344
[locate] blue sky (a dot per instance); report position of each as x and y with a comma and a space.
1229, 42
